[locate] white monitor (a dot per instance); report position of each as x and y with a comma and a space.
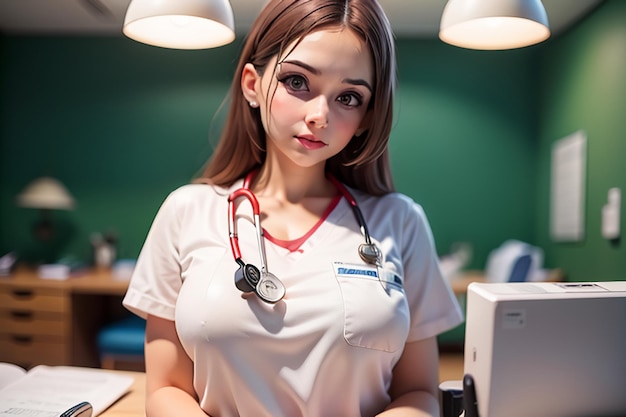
547, 349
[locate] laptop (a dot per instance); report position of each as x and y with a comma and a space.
547, 349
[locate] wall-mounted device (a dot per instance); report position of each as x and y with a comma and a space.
611, 215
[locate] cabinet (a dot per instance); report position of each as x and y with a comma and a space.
55, 322
35, 325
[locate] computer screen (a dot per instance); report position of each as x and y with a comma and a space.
547, 349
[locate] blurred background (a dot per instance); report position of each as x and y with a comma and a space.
121, 124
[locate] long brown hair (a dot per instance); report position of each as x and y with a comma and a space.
364, 162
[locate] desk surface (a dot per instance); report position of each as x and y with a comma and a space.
89, 281
460, 283
133, 403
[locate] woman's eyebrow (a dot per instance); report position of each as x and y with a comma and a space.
359, 81
313, 70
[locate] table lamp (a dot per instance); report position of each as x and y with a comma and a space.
45, 194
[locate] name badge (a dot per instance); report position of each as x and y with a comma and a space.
385, 276
356, 271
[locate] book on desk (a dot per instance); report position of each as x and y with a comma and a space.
47, 391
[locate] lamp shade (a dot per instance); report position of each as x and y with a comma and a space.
494, 24
46, 193
180, 24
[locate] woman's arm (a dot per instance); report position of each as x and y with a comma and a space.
414, 388
169, 373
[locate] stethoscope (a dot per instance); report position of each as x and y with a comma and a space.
249, 278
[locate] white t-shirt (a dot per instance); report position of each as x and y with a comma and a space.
329, 346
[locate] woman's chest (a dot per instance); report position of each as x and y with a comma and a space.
330, 294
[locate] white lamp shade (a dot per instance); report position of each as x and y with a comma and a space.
494, 24
180, 24
46, 193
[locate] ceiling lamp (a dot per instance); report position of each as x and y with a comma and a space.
180, 24
494, 24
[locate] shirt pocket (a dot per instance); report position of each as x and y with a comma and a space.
376, 312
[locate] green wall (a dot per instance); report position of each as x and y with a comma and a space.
464, 144
122, 124
583, 87
119, 123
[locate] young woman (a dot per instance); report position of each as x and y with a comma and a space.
291, 280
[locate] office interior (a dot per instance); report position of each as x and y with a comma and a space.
121, 124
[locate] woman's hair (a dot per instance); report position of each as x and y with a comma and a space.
364, 162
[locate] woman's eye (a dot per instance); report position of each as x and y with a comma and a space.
294, 82
350, 100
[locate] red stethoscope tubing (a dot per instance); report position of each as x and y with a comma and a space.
245, 191
232, 224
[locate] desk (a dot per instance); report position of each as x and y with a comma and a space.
133, 403
55, 322
460, 283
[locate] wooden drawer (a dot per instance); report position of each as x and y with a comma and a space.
24, 322
35, 350
51, 300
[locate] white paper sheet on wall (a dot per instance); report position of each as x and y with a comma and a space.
567, 205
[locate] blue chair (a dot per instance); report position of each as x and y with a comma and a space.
122, 342
521, 269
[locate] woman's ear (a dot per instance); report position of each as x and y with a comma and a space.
249, 79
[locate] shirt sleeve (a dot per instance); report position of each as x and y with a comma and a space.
156, 280
434, 307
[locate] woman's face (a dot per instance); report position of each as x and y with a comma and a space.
317, 99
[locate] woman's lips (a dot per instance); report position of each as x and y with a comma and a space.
310, 143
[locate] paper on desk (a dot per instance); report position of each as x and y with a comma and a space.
47, 391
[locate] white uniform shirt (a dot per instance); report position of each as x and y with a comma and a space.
329, 347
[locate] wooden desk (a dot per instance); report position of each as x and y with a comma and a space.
460, 283
450, 366
55, 322
133, 403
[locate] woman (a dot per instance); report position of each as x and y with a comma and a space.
332, 306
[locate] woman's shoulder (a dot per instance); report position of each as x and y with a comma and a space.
197, 189
196, 194
395, 202
395, 208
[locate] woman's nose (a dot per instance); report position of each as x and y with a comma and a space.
317, 112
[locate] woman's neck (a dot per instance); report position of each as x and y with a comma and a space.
292, 185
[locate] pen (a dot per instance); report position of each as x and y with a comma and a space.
470, 403
83, 409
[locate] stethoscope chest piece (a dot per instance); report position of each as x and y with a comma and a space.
370, 253
270, 288
248, 278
